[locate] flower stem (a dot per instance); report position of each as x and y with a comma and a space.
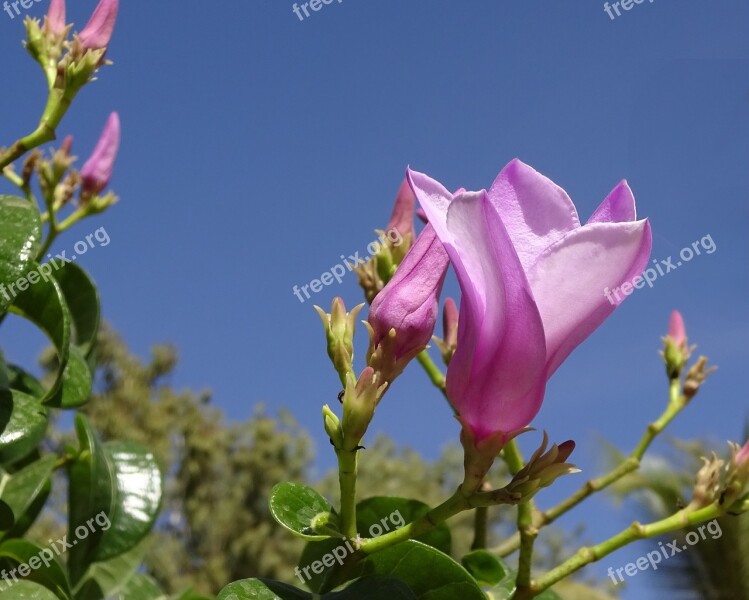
432, 370
347, 470
527, 532
634, 532
450, 507
58, 103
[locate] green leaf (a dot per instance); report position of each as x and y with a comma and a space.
141, 587
82, 299
429, 573
25, 492
77, 382
28, 590
20, 240
44, 305
190, 595
25, 382
108, 578
295, 507
370, 588
91, 492
486, 568
40, 563
374, 517
23, 423
261, 589
137, 498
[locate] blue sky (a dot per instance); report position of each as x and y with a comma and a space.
258, 148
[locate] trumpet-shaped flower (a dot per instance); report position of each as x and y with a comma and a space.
532, 281
56, 16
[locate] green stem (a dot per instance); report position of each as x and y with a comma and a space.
58, 103
630, 464
480, 526
449, 508
527, 532
347, 469
432, 370
636, 531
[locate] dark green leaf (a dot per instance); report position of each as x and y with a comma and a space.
137, 498
23, 423
23, 490
261, 589
77, 382
429, 573
108, 578
140, 587
28, 590
374, 517
25, 382
381, 514
295, 507
20, 237
91, 492
40, 563
486, 568
82, 299
44, 305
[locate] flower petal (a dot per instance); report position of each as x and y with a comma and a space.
535, 211
571, 279
617, 207
496, 378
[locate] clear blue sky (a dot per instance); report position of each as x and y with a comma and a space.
258, 148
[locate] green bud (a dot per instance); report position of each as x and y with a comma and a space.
332, 427
339, 332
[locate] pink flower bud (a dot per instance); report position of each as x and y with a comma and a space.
56, 16
97, 171
402, 219
742, 457
676, 330
450, 323
98, 31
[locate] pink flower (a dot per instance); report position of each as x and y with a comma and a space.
97, 171
676, 330
56, 16
98, 31
402, 219
450, 322
532, 281
409, 302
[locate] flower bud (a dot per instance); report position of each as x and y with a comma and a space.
675, 350
737, 477
62, 159
708, 487
449, 342
98, 31
696, 376
542, 469
56, 17
97, 171
332, 427
402, 217
403, 314
339, 331
360, 399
